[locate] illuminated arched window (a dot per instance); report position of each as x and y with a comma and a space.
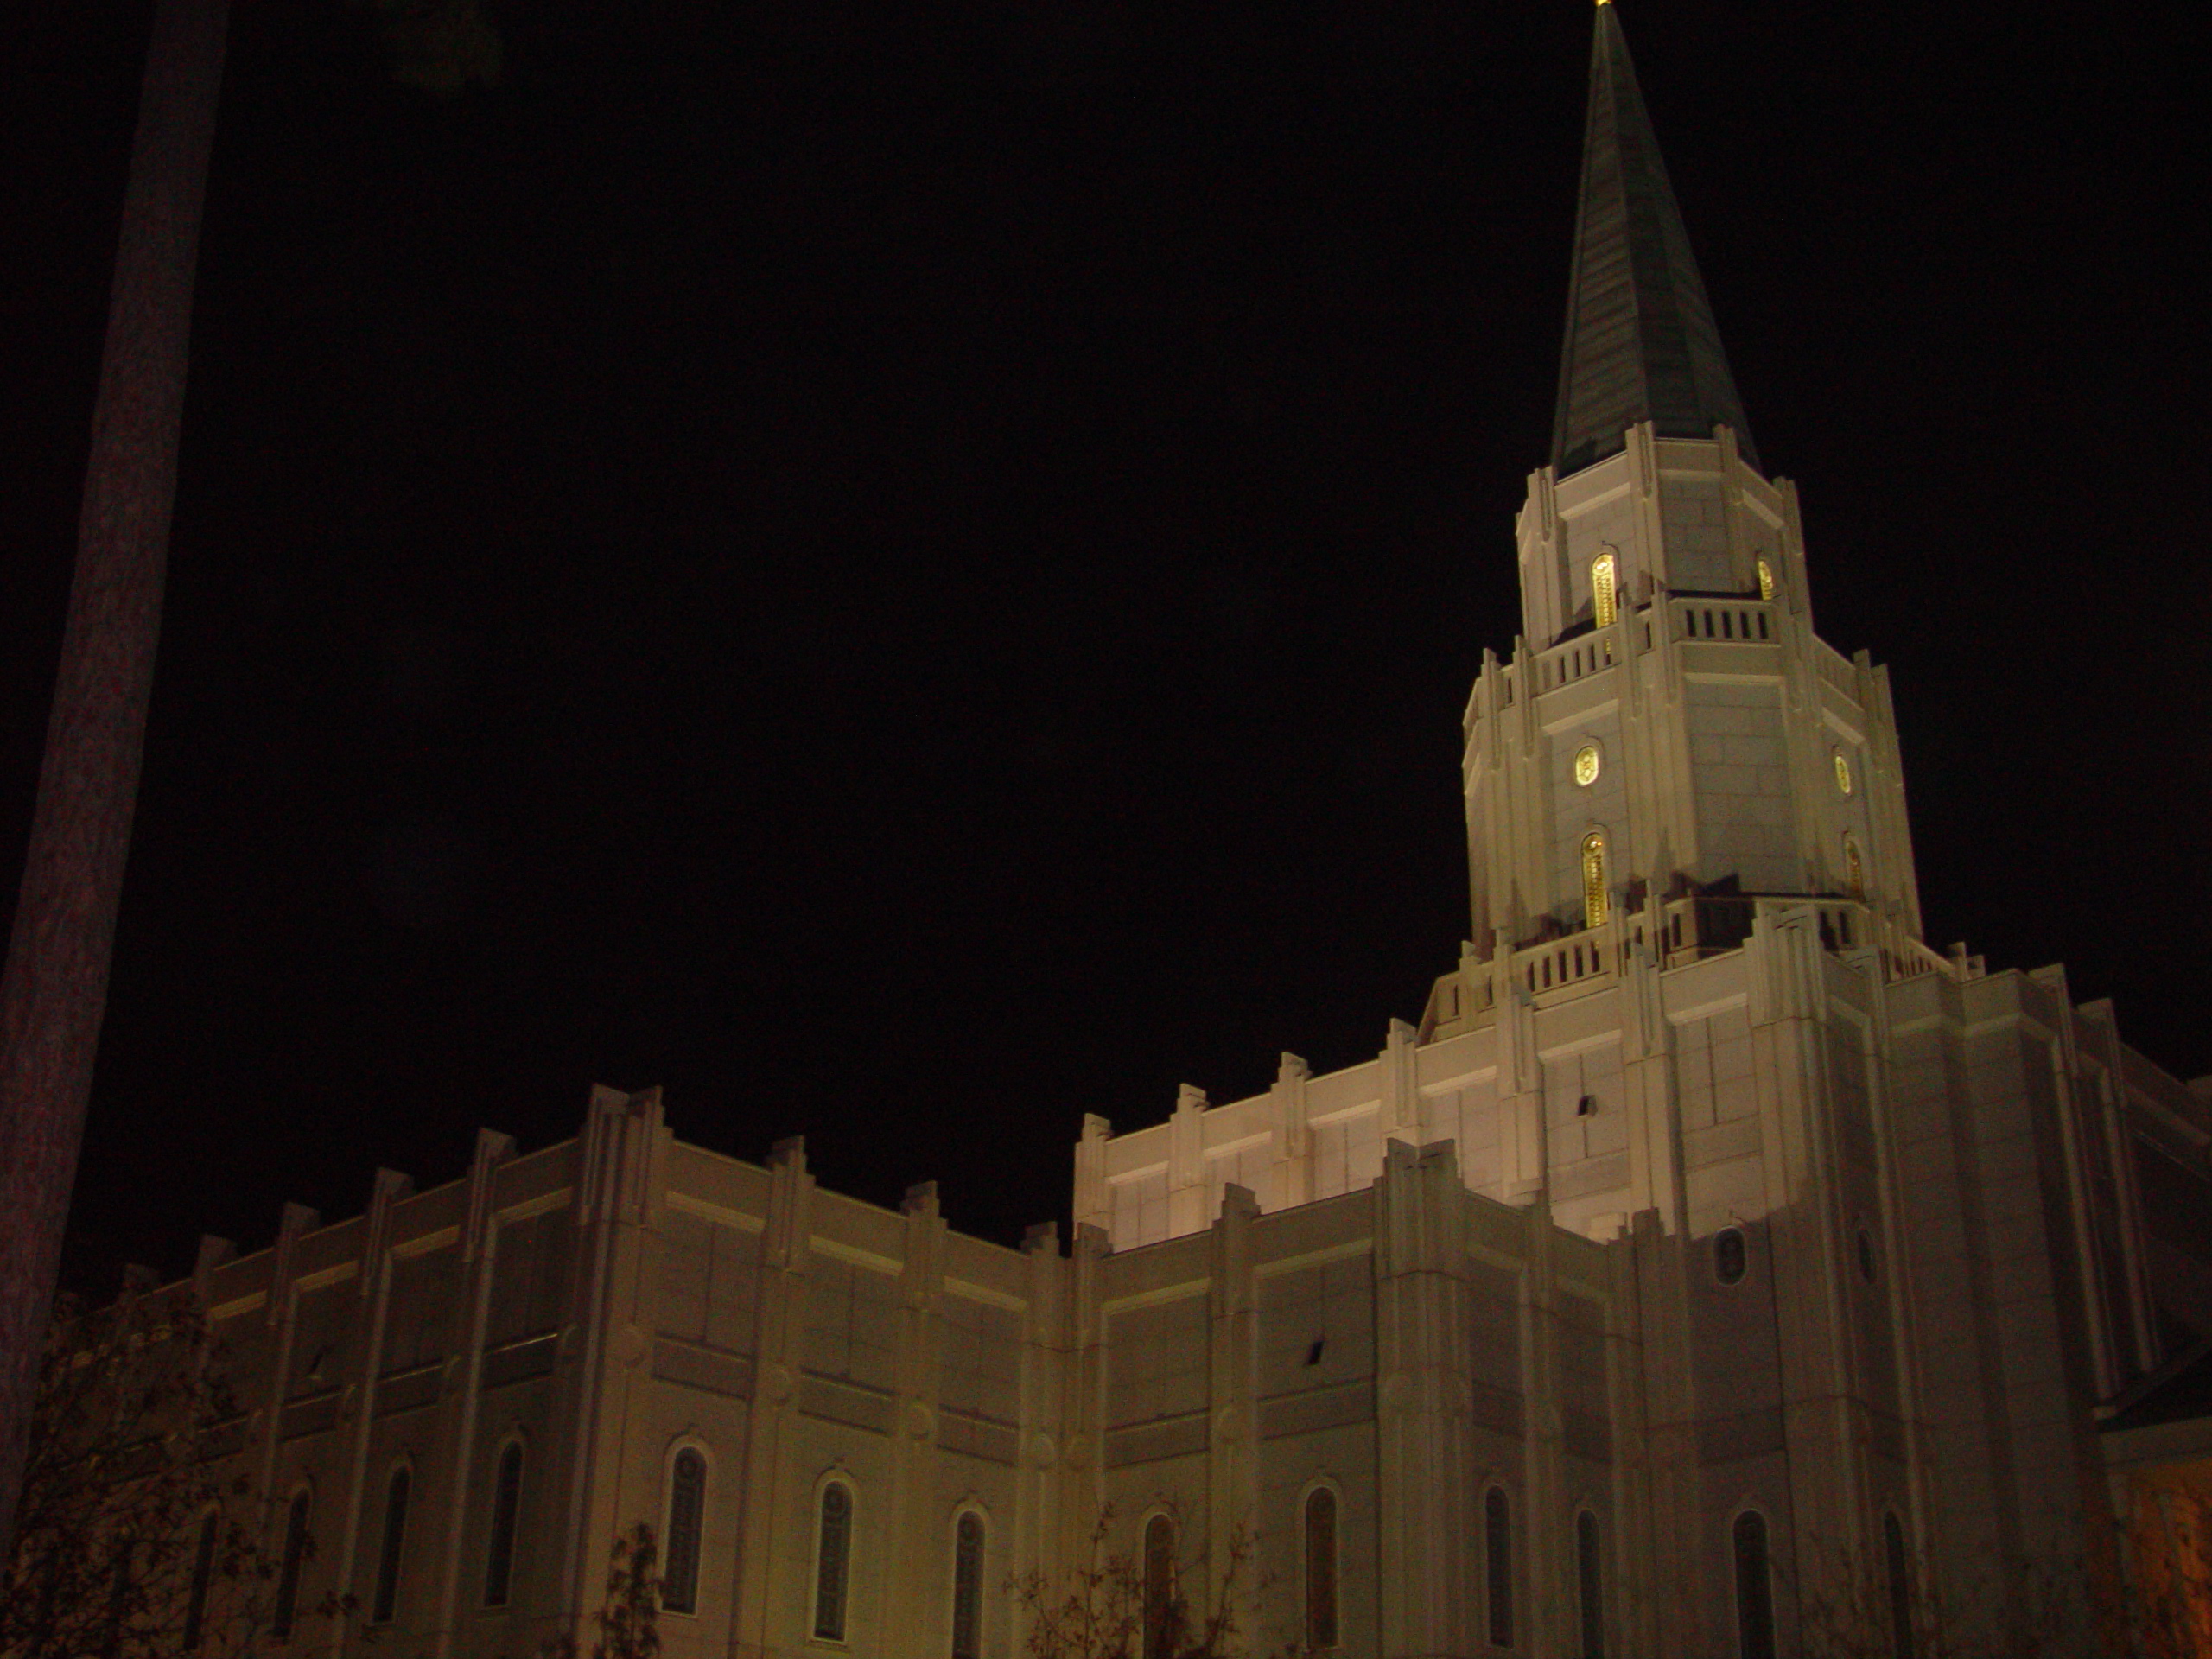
1842, 772
1854, 870
385, 1603
1497, 1568
1766, 579
1754, 1589
833, 1560
291, 1564
1603, 581
1160, 1633
1593, 880
687, 1513
506, 1514
1589, 1565
1320, 1570
968, 1586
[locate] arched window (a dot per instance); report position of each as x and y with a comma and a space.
203, 1580
290, 1563
832, 1561
1603, 587
1854, 870
1766, 579
385, 1602
1593, 880
1900, 1564
1320, 1570
1159, 1587
1754, 1589
1729, 1256
968, 1586
687, 1509
1498, 1566
1589, 1565
506, 1513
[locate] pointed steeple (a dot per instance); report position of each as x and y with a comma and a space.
1641, 345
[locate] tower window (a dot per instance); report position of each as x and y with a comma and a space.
1593, 880
1603, 581
1766, 579
1589, 1561
832, 1561
1854, 871
287, 1574
968, 1586
1900, 1565
386, 1602
1498, 1566
1587, 764
1729, 1256
506, 1511
1320, 1570
1160, 1634
1754, 1589
1842, 772
687, 1507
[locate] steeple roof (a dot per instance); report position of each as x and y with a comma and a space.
1641, 344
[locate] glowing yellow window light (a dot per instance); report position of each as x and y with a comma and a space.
1766, 579
1842, 772
1601, 589
1593, 880
1586, 764
1855, 872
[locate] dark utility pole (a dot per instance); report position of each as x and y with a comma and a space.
55, 989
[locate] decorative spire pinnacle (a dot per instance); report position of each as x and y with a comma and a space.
1641, 344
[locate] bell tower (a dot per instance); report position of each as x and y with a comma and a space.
1669, 738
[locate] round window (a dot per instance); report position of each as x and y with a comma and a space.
1586, 765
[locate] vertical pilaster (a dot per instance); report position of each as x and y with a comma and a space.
1232, 1461
297, 1222
779, 1333
1044, 1484
454, 1443
1424, 1389
1186, 1164
1543, 1420
358, 1407
1293, 1135
915, 1543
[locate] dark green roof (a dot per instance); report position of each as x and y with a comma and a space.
1640, 341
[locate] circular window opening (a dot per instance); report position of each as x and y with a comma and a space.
1728, 1256
1586, 765
1865, 1256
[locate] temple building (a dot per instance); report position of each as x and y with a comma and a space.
1713, 1270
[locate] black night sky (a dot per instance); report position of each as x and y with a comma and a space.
908, 573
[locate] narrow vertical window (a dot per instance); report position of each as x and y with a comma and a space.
1159, 1588
1900, 1564
1589, 1565
1766, 579
1854, 870
968, 1586
1593, 880
506, 1511
1729, 1256
1498, 1566
1754, 1589
687, 1507
833, 1557
386, 1601
1320, 1570
1602, 588
288, 1572
203, 1580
